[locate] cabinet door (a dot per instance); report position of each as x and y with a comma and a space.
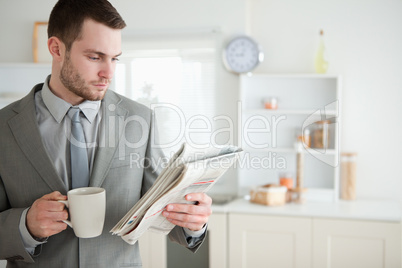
151, 245
217, 231
266, 241
344, 244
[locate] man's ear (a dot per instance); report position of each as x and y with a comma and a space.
56, 48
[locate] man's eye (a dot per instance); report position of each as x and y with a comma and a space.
94, 58
115, 59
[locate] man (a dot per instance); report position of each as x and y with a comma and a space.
35, 165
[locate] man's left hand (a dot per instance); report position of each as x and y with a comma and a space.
191, 216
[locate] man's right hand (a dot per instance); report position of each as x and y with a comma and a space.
45, 216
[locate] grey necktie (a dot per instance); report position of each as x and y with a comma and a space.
79, 155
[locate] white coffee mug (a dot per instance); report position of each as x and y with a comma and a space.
87, 207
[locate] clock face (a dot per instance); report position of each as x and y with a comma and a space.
242, 55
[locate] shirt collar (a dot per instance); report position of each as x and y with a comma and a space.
59, 107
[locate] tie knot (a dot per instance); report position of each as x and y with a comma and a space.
74, 114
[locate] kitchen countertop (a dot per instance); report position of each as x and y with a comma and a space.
375, 210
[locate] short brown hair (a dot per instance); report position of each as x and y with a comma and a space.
68, 16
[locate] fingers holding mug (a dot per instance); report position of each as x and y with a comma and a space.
45, 216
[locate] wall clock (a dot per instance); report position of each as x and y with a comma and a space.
242, 55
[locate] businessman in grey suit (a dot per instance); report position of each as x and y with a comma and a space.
36, 162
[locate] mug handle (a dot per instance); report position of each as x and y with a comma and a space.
65, 202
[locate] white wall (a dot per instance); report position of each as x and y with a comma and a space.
363, 39
17, 18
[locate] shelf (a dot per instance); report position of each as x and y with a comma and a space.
19, 78
290, 112
8, 100
293, 76
25, 65
303, 99
9, 97
313, 151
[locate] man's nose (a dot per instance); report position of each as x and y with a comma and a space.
107, 70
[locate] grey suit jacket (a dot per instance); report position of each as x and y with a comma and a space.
27, 173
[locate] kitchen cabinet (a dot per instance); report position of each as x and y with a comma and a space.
153, 244
362, 233
269, 135
350, 244
267, 241
153, 250
218, 237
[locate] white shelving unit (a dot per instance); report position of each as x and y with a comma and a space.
19, 78
268, 136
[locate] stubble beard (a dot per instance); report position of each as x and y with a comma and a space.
73, 81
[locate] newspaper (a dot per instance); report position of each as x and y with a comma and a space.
188, 171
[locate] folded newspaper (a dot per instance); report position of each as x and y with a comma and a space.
188, 171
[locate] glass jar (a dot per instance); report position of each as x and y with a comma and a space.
321, 134
270, 103
348, 176
286, 179
303, 136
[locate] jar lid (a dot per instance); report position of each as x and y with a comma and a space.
286, 175
348, 154
323, 122
270, 98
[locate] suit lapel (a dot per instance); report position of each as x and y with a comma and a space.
25, 129
109, 137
